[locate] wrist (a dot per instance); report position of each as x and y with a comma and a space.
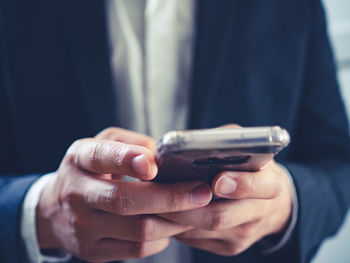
285, 205
273, 243
45, 212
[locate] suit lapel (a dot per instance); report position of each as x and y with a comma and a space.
215, 21
86, 31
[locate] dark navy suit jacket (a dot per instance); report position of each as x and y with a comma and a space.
255, 63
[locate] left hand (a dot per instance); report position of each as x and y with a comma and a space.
256, 204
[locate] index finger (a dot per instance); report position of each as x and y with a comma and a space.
109, 157
136, 198
128, 137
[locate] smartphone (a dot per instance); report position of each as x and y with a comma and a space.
202, 154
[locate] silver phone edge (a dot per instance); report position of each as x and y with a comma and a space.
231, 138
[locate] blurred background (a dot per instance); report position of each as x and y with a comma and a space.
337, 248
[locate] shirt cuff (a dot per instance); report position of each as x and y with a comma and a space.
28, 224
293, 221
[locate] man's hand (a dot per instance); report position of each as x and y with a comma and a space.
88, 213
255, 205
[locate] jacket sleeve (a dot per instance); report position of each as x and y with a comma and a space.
320, 163
12, 191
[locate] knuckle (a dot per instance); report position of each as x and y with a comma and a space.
71, 197
245, 231
80, 227
119, 151
110, 196
107, 133
277, 187
140, 249
217, 220
71, 153
110, 133
121, 202
75, 145
70, 156
250, 186
94, 157
145, 228
172, 200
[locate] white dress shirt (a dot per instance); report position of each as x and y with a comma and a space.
150, 49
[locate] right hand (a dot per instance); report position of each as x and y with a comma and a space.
95, 217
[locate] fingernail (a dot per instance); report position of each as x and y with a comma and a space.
225, 185
141, 165
201, 194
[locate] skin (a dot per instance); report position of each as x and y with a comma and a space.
259, 206
92, 213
